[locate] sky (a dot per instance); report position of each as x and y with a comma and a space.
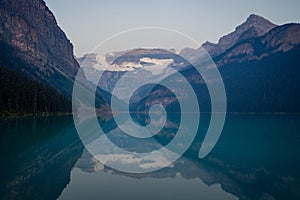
90, 23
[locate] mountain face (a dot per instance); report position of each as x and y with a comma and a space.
280, 39
253, 40
38, 68
32, 42
253, 27
261, 71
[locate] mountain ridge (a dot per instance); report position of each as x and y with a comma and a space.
279, 39
254, 26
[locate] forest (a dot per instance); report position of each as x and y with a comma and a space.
21, 95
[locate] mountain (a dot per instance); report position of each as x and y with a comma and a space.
261, 71
144, 62
280, 39
258, 62
253, 40
32, 43
254, 26
261, 74
33, 46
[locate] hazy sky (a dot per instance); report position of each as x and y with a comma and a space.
87, 23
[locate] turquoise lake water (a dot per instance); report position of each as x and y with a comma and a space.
256, 157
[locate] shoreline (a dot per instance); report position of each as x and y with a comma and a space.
16, 115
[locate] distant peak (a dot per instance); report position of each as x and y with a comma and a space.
254, 19
254, 26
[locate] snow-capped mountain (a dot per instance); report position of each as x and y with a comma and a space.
137, 64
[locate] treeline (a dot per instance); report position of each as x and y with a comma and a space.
20, 94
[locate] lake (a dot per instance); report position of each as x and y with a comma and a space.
256, 157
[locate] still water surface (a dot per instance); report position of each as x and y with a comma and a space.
256, 157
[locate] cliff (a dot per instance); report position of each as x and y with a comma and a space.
29, 34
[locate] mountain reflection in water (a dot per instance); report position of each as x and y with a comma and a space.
255, 158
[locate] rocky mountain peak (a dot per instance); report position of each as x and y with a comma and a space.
256, 22
278, 40
254, 26
256, 19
